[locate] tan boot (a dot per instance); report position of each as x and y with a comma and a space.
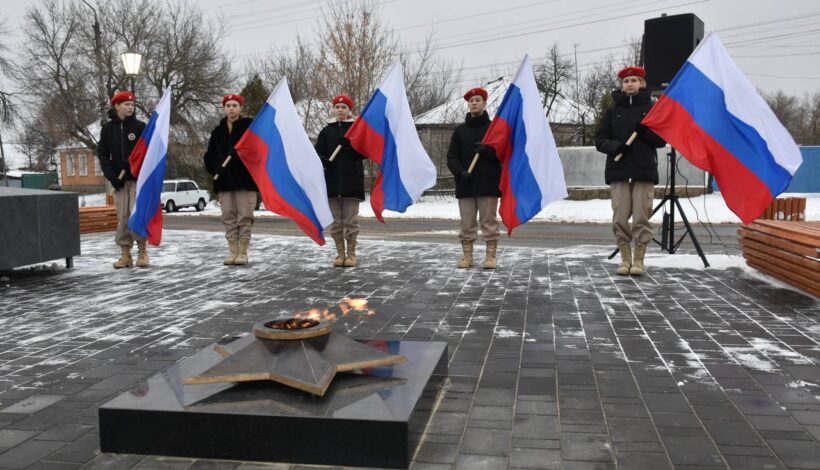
467, 259
637, 261
340, 251
233, 249
626, 258
242, 252
142, 255
125, 260
489, 257
350, 259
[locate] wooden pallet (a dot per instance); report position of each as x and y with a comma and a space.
95, 219
786, 250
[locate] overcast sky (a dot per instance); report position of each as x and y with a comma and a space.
776, 43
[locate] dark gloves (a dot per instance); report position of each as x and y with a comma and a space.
465, 177
641, 129
482, 150
622, 149
344, 142
117, 183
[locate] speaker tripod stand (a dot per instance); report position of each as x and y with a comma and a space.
668, 242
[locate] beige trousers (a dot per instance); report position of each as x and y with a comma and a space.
237, 213
486, 208
124, 200
345, 217
635, 200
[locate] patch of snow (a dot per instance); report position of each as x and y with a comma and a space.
771, 349
800, 383
501, 332
564, 211
750, 358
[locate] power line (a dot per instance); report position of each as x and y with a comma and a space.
462, 18
497, 38
517, 25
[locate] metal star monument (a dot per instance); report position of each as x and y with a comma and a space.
300, 353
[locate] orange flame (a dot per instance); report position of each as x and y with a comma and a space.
346, 306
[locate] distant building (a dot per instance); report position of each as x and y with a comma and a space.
78, 168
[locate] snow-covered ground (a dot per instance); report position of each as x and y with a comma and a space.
708, 208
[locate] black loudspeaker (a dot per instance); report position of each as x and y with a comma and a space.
667, 43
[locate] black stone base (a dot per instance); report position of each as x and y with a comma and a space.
370, 419
37, 226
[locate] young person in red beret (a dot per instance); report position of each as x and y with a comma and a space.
633, 178
118, 137
344, 177
235, 186
477, 191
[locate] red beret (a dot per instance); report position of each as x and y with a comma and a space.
233, 97
632, 71
343, 99
475, 91
122, 96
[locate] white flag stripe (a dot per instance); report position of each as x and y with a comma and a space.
416, 169
158, 147
302, 160
743, 101
540, 148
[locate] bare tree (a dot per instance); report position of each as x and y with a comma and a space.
632, 52
179, 48
800, 116
355, 47
7, 109
785, 107
430, 79
811, 112
551, 76
307, 83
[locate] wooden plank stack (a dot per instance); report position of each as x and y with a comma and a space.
95, 219
788, 250
787, 208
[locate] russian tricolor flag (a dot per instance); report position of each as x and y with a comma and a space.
285, 166
148, 162
531, 173
714, 116
385, 133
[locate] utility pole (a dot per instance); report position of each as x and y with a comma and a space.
578, 98
101, 98
3, 161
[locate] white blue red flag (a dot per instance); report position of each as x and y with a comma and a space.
285, 166
715, 117
531, 173
385, 133
147, 162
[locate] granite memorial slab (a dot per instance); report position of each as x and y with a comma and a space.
371, 417
38, 226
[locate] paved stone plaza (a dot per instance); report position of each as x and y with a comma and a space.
555, 362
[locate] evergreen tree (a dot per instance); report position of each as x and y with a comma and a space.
255, 94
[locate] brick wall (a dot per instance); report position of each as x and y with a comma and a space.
79, 171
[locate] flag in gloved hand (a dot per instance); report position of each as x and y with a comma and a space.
385, 133
285, 166
531, 173
147, 161
714, 116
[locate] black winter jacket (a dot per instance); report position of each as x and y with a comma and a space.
234, 176
344, 176
640, 162
486, 175
117, 139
